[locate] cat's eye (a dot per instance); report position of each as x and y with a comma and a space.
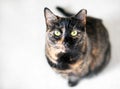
74, 33
57, 33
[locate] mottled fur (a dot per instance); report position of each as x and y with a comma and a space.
76, 57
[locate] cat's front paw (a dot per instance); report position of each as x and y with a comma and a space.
73, 80
72, 83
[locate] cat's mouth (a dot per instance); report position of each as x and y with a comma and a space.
68, 57
64, 57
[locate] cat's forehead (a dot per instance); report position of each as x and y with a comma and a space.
63, 22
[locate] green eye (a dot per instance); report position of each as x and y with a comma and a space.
57, 33
74, 33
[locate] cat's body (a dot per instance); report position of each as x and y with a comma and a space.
81, 48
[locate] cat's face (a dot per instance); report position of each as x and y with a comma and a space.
65, 34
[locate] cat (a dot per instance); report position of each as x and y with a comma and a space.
76, 46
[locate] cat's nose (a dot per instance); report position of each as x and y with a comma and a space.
66, 46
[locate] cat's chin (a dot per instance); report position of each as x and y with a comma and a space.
66, 58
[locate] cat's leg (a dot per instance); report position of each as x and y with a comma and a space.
105, 60
73, 80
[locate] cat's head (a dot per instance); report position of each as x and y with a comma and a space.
65, 34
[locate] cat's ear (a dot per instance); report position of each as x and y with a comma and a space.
49, 16
81, 15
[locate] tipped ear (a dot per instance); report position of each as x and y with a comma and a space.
49, 16
81, 15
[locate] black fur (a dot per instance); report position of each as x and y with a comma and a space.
61, 65
65, 13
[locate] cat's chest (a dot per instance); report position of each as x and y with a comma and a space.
73, 68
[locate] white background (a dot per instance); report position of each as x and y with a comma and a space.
22, 40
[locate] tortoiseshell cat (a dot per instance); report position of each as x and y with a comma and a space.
76, 46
